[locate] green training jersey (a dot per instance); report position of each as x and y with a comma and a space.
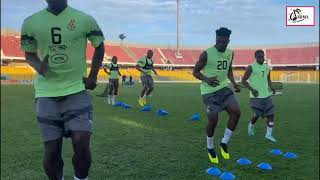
113, 68
258, 80
146, 64
218, 64
64, 38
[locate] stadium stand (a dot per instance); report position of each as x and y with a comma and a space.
170, 55
294, 63
243, 57
10, 47
299, 56
90, 51
123, 57
142, 51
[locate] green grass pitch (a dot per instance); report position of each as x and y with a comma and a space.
129, 144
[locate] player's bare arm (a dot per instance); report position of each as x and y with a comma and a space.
97, 59
106, 70
40, 66
212, 81
155, 72
245, 81
139, 68
119, 73
231, 78
270, 84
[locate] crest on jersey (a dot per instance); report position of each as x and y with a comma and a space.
72, 25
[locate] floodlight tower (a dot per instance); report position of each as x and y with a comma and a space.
178, 55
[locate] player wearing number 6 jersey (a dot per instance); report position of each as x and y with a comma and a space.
55, 40
214, 69
258, 75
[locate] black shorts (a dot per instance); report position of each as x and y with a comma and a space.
113, 82
262, 107
147, 81
59, 116
217, 101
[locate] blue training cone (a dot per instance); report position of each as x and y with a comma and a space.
118, 103
244, 161
162, 112
146, 108
126, 106
195, 117
265, 166
276, 152
227, 176
214, 171
290, 155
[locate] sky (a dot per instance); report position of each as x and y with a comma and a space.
253, 22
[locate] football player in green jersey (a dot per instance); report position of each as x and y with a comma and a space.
258, 75
145, 66
55, 40
214, 69
113, 70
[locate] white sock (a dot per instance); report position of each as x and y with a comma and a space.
210, 142
251, 125
226, 137
75, 178
269, 131
143, 97
114, 97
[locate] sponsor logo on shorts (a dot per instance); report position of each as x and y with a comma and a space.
208, 109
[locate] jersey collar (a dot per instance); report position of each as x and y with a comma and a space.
62, 12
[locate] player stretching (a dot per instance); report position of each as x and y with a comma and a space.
258, 74
145, 66
55, 40
214, 68
114, 74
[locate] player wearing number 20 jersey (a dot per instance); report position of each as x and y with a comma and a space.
214, 69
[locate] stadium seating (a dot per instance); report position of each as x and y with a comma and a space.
243, 57
142, 51
90, 52
113, 50
10, 46
293, 56
170, 54
190, 56
302, 55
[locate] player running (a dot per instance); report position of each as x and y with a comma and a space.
145, 66
113, 70
214, 68
55, 40
258, 75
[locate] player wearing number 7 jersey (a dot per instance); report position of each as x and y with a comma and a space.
214, 69
258, 75
55, 40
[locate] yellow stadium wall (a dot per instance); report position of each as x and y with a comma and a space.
25, 72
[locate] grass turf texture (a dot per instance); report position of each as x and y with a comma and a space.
129, 144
